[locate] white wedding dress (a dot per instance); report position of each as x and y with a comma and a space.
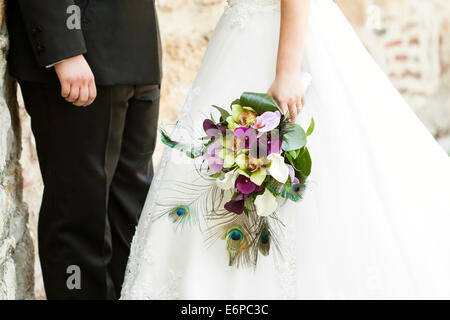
375, 222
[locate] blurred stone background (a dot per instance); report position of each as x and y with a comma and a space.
410, 39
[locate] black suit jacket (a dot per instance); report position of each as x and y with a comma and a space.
119, 38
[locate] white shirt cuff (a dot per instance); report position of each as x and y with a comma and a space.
53, 64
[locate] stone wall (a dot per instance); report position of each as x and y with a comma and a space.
410, 40
16, 248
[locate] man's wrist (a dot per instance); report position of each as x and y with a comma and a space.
54, 64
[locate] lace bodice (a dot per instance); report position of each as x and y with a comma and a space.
255, 3
241, 10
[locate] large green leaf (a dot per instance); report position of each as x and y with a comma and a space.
302, 164
260, 102
224, 114
294, 137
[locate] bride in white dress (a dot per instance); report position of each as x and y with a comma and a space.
375, 221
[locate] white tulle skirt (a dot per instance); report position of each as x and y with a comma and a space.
375, 222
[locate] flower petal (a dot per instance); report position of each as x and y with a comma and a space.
244, 173
210, 128
231, 124
265, 204
228, 158
245, 137
228, 180
236, 205
277, 168
212, 157
241, 161
259, 176
245, 185
268, 121
215, 165
236, 111
213, 149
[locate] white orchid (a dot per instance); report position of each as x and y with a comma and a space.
277, 168
265, 204
228, 180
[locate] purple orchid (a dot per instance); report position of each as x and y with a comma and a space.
294, 179
223, 129
212, 130
267, 121
212, 157
236, 205
266, 144
244, 136
245, 185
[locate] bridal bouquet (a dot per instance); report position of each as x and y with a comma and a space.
256, 160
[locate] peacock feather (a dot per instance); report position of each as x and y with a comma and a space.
179, 214
287, 191
264, 241
254, 229
236, 242
294, 192
275, 187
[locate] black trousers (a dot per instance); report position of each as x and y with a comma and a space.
96, 167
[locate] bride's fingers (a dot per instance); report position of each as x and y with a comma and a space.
299, 108
293, 111
299, 105
284, 107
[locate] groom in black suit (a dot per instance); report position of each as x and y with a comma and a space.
90, 73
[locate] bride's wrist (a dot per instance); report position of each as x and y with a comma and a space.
286, 76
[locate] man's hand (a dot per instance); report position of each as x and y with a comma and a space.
77, 81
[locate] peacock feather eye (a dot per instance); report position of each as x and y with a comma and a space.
236, 243
264, 239
235, 235
294, 192
264, 242
179, 213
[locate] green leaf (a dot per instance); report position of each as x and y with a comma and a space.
311, 127
294, 137
260, 102
216, 175
249, 202
294, 153
224, 114
237, 101
188, 149
302, 164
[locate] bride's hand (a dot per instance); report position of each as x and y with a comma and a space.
289, 93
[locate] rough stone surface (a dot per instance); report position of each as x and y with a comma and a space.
16, 247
